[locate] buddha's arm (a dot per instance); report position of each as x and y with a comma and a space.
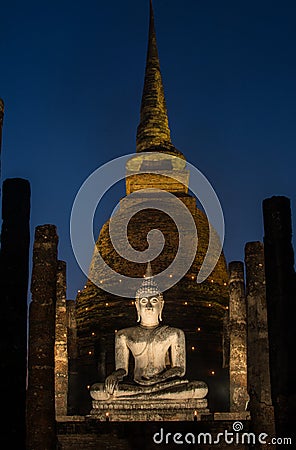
178, 354
121, 362
178, 357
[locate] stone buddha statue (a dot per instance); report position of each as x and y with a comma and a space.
159, 356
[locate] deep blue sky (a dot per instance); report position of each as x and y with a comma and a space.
71, 76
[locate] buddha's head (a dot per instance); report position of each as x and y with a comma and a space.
149, 301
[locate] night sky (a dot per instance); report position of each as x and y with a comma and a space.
71, 77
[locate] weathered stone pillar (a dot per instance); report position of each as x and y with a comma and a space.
280, 295
237, 338
14, 275
260, 404
72, 358
1, 125
41, 433
61, 352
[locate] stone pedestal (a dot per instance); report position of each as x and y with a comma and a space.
149, 410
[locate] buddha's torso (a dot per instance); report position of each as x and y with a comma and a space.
149, 348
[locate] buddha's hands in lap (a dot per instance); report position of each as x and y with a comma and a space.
112, 380
170, 373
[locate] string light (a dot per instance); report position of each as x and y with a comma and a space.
89, 352
86, 309
107, 304
193, 348
212, 372
199, 329
212, 281
115, 331
185, 303
171, 276
132, 302
192, 277
93, 334
210, 304
225, 284
88, 387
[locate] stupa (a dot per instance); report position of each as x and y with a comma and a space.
198, 309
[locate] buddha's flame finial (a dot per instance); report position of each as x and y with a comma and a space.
148, 273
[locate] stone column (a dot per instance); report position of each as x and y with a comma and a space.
72, 358
260, 404
1, 125
237, 338
280, 296
14, 275
61, 352
41, 433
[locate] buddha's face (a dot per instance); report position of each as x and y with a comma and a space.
149, 309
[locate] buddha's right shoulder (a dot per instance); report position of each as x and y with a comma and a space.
126, 332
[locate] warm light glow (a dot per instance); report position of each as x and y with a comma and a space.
78, 290
133, 303
93, 334
195, 413
85, 287
212, 281
212, 372
193, 348
260, 265
171, 276
88, 386
107, 304
120, 281
210, 304
86, 309
115, 331
227, 307
107, 414
225, 284
192, 278
185, 303
199, 329
89, 352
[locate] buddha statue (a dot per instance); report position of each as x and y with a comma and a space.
159, 356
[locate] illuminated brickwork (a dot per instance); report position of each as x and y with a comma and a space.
61, 354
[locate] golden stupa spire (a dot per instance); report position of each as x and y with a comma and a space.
153, 133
